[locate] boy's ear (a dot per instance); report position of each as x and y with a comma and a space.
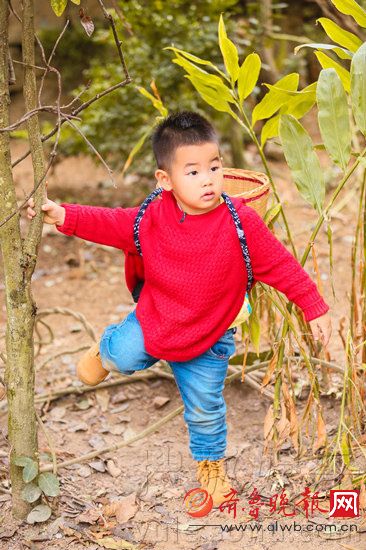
163, 179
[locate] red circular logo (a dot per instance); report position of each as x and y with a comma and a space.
198, 502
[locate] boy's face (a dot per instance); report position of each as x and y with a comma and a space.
195, 177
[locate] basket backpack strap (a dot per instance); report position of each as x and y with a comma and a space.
233, 212
140, 213
242, 239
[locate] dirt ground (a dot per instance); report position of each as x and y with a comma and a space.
135, 494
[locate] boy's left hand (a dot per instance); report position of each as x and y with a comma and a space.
321, 328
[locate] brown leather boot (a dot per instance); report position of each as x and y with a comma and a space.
212, 477
89, 369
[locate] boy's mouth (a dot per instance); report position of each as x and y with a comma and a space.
209, 195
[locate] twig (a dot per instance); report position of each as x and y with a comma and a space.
42, 108
47, 63
81, 133
66, 311
315, 360
49, 441
117, 446
115, 36
59, 354
41, 343
76, 112
29, 65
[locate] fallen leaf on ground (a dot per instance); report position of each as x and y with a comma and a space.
112, 469
160, 401
97, 465
124, 508
89, 516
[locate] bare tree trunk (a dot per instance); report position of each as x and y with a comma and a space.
19, 258
265, 17
236, 137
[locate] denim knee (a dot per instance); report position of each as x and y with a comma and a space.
122, 345
110, 349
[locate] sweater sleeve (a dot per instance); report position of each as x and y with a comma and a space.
274, 265
109, 226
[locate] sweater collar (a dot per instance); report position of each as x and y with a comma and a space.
183, 216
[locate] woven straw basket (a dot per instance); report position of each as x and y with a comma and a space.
252, 186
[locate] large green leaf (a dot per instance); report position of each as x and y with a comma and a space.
195, 59
298, 106
49, 484
206, 79
191, 68
40, 513
248, 75
58, 6
270, 129
216, 85
229, 52
343, 53
350, 7
340, 36
30, 467
209, 95
333, 117
275, 98
31, 492
327, 62
358, 87
302, 160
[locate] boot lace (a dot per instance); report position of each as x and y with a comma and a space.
211, 469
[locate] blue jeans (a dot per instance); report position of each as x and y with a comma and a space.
200, 381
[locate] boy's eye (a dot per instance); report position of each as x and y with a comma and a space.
194, 172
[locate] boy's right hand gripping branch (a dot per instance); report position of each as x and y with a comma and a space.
54, 213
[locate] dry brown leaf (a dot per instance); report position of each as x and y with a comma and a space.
57, 413
160, 401
112, 469
321, 438
294, 424
89, 516
116, 429
124, 508
271, 367
283, 426
268, 423
119, 397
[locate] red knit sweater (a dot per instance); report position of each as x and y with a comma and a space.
195, 275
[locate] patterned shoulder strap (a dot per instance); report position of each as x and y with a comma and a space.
140, 213
233, 212
242, 239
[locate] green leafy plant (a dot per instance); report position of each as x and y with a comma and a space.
44, 484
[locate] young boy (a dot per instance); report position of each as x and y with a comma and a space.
195, 282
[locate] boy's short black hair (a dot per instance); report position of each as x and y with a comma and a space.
180, 128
